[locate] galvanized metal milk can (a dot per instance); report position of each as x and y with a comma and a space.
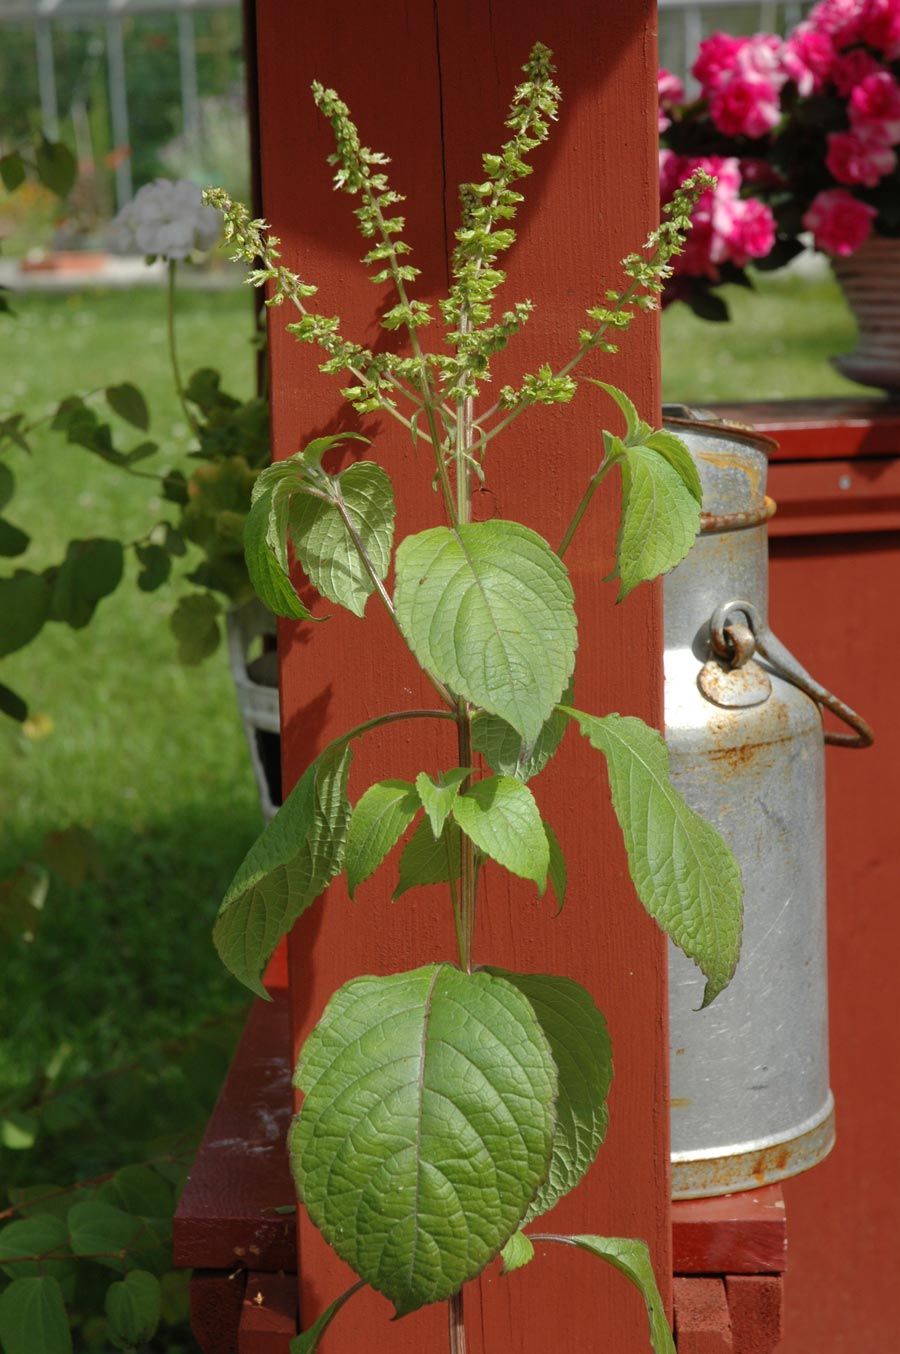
751, 1102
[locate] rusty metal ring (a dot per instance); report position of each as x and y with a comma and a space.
711, 524
721, 625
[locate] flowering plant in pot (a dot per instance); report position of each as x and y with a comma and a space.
802, 136
447, 1108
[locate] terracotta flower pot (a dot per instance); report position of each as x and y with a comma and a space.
870, 280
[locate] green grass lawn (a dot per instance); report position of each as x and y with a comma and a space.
121, 989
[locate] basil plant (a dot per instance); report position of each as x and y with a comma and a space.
447, 1109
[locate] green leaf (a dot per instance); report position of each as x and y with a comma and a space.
504, 750
307, 1342
557, 873
684, 874
631, 1258
489, 610
659, 521
57, 168
91, 570
133, 1309
12, 704
500, 816
37, 1236
142, 452
22, 899
437, 797
195, 625
18, 1128
139, 1190
13, 540
636, 428
428, 861
290, 864
289, 471
128, 402
156, 565
7, 482
671, 446
517, 1253
429, 1095
24, 607
12, 171
267, 569
378, 821
579, 1042
103, 1232
33, 1318
324, 546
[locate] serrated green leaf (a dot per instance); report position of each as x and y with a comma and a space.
12, 704
12, 171
676, 452
430, 1096
500, 816
133, 1309
307, 1342
504, 749
288, 472
428, 861
378, 821
128, 402
517, 1253
659, 521
631, 1258
33, 1318
57, 167
41, 1235
636, 428
579, 1042
488, 609
195, 625
324, 546
290, 864
557, 873
13, 540
437, 796
102, 1231
683, 872
267, 563
91, 571
24, 607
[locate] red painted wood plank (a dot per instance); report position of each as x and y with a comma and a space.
268, 1314
702, 1319
756, 1308
825, 429
216, 1299
828, 497
737, 1234
225, 1217
430, 87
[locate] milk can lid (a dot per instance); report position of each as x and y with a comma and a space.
685, 415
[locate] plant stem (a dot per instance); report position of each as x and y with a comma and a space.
593, 485
173, 349
457, 1327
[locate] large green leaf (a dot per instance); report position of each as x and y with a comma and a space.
324, 546
33, 1318
508, 754
379, 820
500, 816
684, 874
426, 860
579, 1043
488, 608
660, 517
290, 472
426, 1127
290, 864
133, 1309
24, 607
267, 568
40, 1236
437, 796
103, 1232
631, 1258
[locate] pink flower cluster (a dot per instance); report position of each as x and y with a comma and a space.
670, 91
742, 79
839, 222
726, 227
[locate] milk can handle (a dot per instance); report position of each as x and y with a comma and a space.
785, 664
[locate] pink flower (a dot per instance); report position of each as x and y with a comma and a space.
670, 91
840, 223
807, 58
839, 19
852, 68
875, 108
726, 228
760, 55
716, 59
751, 232
853, 159
670, 175
879, 26
745, 106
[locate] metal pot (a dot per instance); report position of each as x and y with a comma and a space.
751, 1102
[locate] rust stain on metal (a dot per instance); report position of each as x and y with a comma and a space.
712, 523
680, 1102
726, 461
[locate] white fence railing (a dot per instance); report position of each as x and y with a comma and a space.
684, 23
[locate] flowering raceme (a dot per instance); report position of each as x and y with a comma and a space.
727, 229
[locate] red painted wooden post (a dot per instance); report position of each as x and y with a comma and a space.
429, 84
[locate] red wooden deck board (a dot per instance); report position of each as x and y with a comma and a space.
736, 1234
823, 429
